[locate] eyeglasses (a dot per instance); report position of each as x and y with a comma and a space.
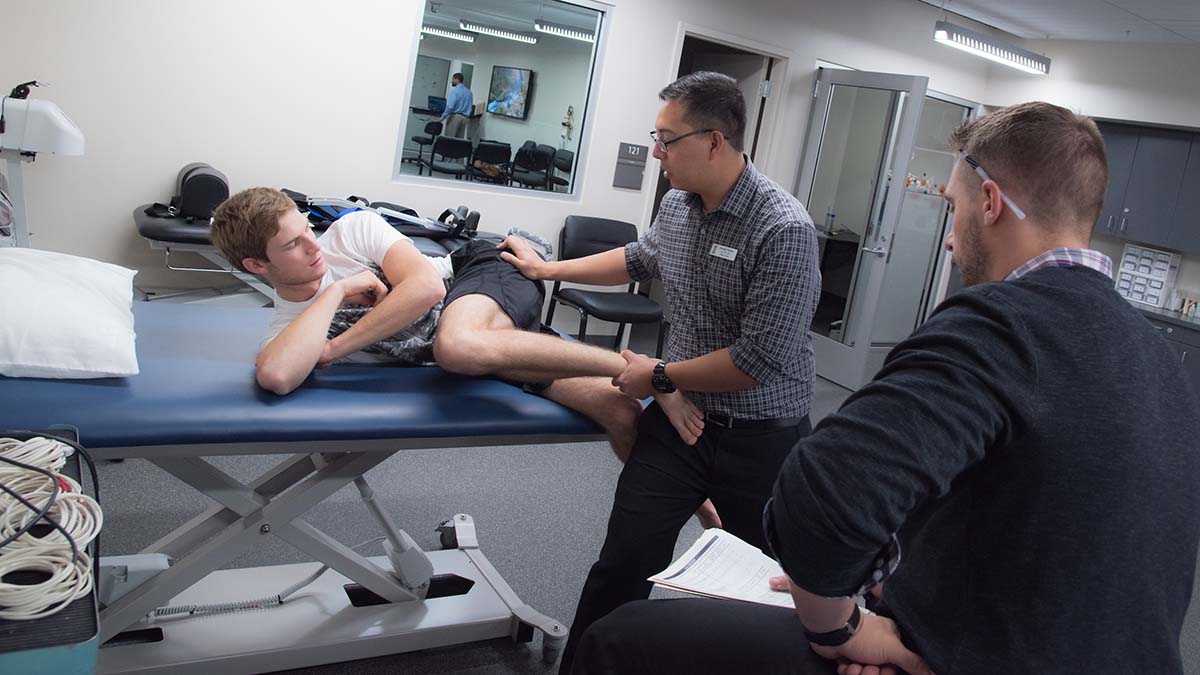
662, 145
984, 175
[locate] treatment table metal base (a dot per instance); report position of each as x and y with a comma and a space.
320, 624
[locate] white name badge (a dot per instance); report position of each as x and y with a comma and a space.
723, 252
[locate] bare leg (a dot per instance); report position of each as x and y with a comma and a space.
599, 400
466, 343
469, 341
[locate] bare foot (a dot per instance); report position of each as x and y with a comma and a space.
684, 416
707, 515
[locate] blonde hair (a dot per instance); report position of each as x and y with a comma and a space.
1051, 160
243, 224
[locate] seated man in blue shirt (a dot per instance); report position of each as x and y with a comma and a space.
459, 106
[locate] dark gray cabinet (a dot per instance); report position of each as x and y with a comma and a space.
1186, 343
1185, 235
1153, 189
1120, 144
1145, 171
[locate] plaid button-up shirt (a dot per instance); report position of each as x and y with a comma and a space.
1065, 257
746, 277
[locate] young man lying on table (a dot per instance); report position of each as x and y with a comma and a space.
362, 292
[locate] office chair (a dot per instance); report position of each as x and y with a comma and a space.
564, 161
583, 236
531, 166
450, 149
498, 155
432, 129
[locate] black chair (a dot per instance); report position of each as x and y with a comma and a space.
564, 161
496, 154
432, 129
450, 149
531, 166
583, 236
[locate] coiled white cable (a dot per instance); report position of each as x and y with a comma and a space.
61, 554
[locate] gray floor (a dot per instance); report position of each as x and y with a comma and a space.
540, 513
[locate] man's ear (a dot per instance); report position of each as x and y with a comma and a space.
717, 143
993, 202
255, 266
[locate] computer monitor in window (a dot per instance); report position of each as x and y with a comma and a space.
437, 104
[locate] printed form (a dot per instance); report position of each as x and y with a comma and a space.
719, 565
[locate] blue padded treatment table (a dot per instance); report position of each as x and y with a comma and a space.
197, 386
196, 397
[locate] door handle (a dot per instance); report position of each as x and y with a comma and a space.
879, 251
1122, 224
1108, 227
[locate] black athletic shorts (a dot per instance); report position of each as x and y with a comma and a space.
479, 269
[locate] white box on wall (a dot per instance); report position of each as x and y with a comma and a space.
1147, 276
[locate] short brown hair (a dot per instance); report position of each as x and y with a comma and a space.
243, 224
1048, 159
711, 100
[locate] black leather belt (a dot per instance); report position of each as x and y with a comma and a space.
728, 422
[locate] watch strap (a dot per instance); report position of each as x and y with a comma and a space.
838, 636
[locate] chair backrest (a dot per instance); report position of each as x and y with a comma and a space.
563, 160
493, 152
524, 159
451, 147
544, 156
433, 128
584, 235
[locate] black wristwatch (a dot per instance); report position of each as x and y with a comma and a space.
659, 380
839, 636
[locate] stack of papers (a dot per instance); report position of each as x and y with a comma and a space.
719, 565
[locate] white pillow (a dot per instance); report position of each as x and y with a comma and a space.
62, 316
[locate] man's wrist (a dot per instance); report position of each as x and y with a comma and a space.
544, 270
837, 636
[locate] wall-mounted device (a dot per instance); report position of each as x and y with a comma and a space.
28, 127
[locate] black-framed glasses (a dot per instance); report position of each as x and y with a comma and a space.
974, 163
662, 145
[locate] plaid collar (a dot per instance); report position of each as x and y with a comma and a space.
1065, 257
737, 200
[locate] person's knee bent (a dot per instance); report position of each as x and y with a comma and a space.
622, 414
464, 352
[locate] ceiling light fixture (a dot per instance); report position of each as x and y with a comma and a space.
990, 48
447, 34
496, 32
563, 31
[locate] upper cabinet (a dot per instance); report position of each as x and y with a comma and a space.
1145, 174
1185, 235
1120, 144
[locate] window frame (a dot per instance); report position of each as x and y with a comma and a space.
584, 129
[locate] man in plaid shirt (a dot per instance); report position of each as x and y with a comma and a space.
737, 256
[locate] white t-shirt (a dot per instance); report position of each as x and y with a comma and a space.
354, 243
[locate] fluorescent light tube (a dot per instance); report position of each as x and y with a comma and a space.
990, 48
447, 34
496, 32
563, 31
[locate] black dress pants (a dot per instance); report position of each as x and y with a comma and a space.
698, 636
660, 487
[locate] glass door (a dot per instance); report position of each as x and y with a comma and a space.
860, 142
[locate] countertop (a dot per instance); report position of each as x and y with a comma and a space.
1171, 317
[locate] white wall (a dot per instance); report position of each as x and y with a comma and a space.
1143, 82
245, 87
